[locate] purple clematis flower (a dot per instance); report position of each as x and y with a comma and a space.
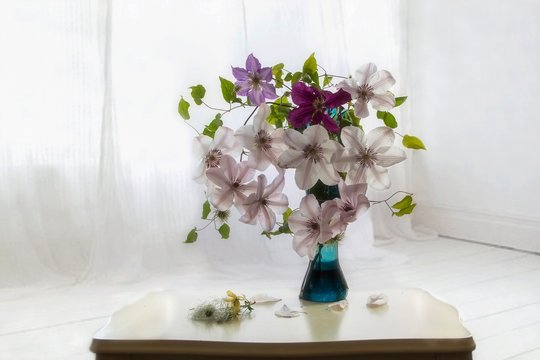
312, 105
254, 81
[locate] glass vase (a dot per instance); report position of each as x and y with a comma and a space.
324, 280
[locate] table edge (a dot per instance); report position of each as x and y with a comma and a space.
245, 349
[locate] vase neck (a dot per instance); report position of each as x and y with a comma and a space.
328, 252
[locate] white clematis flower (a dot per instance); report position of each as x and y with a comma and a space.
259, 206
352, 202
232, 182
212, 150
310, 153
313, 224
365, 158
264, 142
370, 86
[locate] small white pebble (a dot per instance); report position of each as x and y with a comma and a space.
376, 300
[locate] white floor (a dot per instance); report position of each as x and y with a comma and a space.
497, 292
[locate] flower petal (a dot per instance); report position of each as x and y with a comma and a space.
329, 123
377, 177
381, 136
278, 202
275, 187
343, 160
316, 134
350, 86
309, 207
218, 177
326, 173
353, 138
331, 148
266, 73
256, 96
364, 72
361, 109
383, 102
201, 145
224, 138
245, 136
381, 81
222, 199
252, 64
356, 175
295, 139
266, 218
304, 243
291, 159
258, 159
337, 99
260, 117
200, 172
300, 116
269, 91
297, 221
389, 156
303, 94
305, 176
239, 73
243, 87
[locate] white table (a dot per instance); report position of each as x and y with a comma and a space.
414, 325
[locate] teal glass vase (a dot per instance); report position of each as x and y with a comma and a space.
324, 280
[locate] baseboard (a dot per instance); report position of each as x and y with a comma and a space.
490, 228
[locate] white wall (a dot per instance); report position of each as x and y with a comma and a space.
474, 76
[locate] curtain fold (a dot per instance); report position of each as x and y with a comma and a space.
96, 167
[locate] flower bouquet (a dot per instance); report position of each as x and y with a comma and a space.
313, 126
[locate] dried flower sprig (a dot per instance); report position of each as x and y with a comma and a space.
223, 309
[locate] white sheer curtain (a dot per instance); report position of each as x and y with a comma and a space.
96, 164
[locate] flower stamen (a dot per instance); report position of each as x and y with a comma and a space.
213, 158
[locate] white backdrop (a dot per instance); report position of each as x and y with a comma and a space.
96, 164
474, 97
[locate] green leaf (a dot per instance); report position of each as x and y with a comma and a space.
286, 214
400, 100
327, 80
403, 203
206, 209
277, 71
388, 119
192, 236
296, 77
355, 120
405, 211
210, 129
412, 142
310, 65
183, 107
197, 93
288, 77
224, 230
227, 90
310, 69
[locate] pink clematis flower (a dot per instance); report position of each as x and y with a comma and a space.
254, 81
212, 150
264, 142
259, 206
370, 85
365, 158
352, 202
313, 224
310, 153
232, 183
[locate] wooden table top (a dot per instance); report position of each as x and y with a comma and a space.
412, 321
